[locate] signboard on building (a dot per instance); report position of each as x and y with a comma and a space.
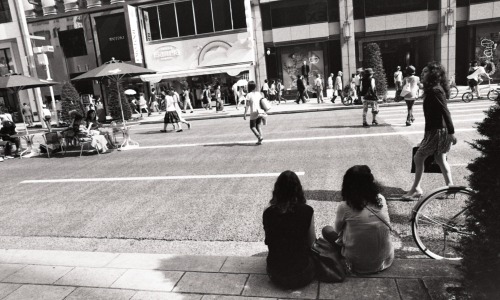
135, 34
112, 37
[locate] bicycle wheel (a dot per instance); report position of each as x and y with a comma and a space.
347, 100
467, 97
438, 222
453, 92
493, 94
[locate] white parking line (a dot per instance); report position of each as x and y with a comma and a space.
217, 176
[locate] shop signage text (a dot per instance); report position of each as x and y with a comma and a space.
166, 53
116, 38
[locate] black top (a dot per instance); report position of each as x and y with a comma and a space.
287, 238
8, 128
436, 111
300, 85
305, 70
366, 86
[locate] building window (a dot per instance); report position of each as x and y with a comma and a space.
265, 13
359, 9
462, 3
298, 12
187, 18
6, 63
5, 16
390, 7
333, 11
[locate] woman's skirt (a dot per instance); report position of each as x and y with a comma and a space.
435, 141
171, 117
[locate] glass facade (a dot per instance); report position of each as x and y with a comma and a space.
189, 18
5, 15
372, 8
6, 63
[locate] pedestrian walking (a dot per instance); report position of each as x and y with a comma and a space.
439, 132
241, 96
300, 88
357, 81
272, 92
256, 113
304, 71
143, 104
206, 100
289, 234
218, 99
398, 81
338, 87
361, 226
265, 89
329, 87
369, 96
352, 88
178, 104
235, 88
171, 115
187, 100
47, 117
409, 92
318, 83
279, 91
27, 115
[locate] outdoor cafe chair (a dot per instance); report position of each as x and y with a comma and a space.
53, 142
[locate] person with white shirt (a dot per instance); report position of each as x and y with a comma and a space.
474, 77
47, 116
253, 106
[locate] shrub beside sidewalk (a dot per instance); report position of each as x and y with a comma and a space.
481, 251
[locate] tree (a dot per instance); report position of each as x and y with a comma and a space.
70, 100
481, 251
114, 105
373, 59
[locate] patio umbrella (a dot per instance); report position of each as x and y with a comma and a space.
16, 82
130, 92
115, 70
242, 82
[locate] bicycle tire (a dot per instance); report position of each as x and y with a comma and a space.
467, 97
438, 222
453, 92
493, 94
347, 100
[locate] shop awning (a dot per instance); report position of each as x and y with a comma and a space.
232, 70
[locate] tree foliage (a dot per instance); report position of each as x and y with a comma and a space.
70, 100
481, 251
114, 105
372, 58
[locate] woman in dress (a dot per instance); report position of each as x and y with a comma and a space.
411, 84
439, 132
289, 234
362, 223
171, 116
272, 92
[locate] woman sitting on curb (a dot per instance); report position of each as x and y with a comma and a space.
289, 230
362, 224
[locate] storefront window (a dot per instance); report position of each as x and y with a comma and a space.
178, 19
292, 60
5, 16
6, 63
487, 50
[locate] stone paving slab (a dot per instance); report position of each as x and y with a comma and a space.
91, 277
40, 292
167, 262
418, 268
85, 293
38, 274
148, 280
8, 269
212, 283
360, 288
260, 286
7, 288
249, 265
141, 295
439, 288
56, 258
412, 289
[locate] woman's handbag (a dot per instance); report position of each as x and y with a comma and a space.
330, 266
430, 165
406, 89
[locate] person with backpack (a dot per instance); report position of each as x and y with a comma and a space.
256, 113
369, 94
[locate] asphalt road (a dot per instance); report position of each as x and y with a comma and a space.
202, 191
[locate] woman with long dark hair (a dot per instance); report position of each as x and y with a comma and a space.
439, 130
289, 228
361, 225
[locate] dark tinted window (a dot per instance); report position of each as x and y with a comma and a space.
333, 10
461, 3
480, 1
298, 12
168, 24
388, 7
152, 24
203, 13
185, 17
432, 5
359, 9
72, 42
5, 12
222, 15
239, 18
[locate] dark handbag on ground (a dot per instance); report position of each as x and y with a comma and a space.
430, 165
330, 266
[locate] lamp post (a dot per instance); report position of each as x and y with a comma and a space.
346, 30
449, 18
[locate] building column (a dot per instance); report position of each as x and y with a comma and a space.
446, 36
347, 40
258, 42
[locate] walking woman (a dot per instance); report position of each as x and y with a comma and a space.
187, 100
369, 93
362, 223
272, 92
218, 99
411, 84
240, 96
439, 130
253, 105
300, 88
289, 234
171, 116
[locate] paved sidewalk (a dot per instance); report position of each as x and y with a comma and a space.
43, 274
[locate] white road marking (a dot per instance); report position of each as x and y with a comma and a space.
390, 121
315, 138
216, 176
453, 112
